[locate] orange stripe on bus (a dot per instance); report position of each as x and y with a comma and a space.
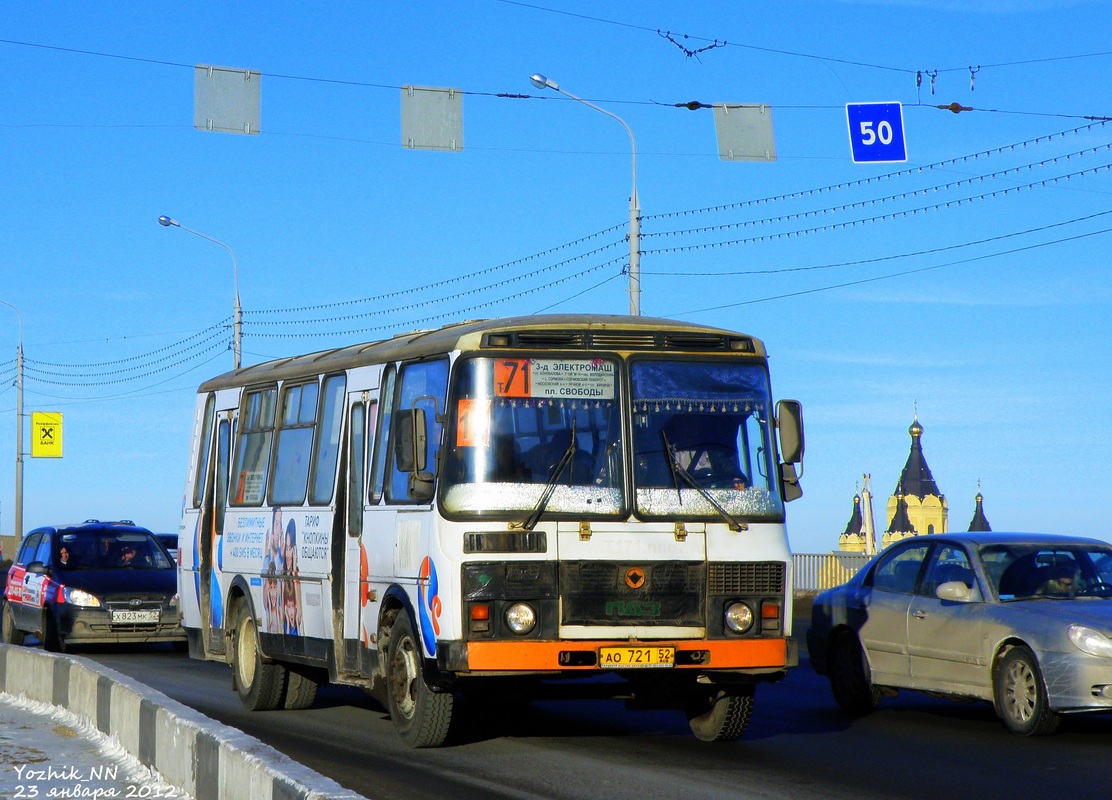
515, 656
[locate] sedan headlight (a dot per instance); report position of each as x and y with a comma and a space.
79, 597
1091, 641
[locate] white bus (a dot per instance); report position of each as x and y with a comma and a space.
507, 504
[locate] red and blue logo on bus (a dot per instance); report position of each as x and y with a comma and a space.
429, 605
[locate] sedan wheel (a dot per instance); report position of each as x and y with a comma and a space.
849, 677
1021, 696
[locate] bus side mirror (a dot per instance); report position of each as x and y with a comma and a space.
789, 414
411, 441
410, 447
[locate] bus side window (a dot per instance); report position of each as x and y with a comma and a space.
357, 443
201, 475
223, 443
378, 477
294, 444
423, 385
328, 440
252, 461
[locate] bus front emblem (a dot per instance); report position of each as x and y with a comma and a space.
635, 578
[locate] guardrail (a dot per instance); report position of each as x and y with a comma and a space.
205, 759
817, 571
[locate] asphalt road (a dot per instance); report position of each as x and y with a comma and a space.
799, 746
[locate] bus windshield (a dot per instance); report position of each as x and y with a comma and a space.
702, 440
701, 443
514, 420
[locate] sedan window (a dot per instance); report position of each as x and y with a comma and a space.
898, 571
948, 563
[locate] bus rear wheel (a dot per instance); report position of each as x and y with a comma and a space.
258, 684
720, 715
421, 714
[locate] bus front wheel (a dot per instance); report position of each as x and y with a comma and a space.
720, 715
421, 715
258, 684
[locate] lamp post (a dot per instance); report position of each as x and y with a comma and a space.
18, 427
541, 82
237, 314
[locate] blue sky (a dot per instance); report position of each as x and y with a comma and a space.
968, 282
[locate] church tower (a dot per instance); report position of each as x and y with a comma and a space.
899, 526
979, 521
853, 539
917, 497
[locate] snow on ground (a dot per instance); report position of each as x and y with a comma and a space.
48, 752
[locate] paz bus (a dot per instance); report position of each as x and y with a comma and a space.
497, 506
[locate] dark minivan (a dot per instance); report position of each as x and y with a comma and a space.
94, 582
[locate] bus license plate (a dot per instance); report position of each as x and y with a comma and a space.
629, 657
136, 616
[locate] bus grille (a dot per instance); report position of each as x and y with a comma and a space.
759, 578
612, 593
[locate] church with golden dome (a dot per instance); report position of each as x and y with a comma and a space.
915, 508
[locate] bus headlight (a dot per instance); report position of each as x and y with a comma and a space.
521, 618
739, 617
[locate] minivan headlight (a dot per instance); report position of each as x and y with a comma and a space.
79, 597
1091, 641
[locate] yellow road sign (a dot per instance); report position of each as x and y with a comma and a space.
46, 434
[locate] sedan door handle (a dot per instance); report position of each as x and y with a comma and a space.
919, 614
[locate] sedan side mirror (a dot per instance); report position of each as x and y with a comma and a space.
954, 590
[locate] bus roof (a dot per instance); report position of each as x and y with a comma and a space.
539, 331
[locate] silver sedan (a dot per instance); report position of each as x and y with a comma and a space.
1023, 621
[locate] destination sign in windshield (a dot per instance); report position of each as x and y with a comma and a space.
585, 379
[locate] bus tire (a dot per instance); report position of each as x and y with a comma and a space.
720, 715
301, 691
258, 684
421, 714
11, 634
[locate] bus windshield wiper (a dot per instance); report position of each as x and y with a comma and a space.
681, 471
550, 486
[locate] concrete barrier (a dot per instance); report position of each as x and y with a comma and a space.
202, 757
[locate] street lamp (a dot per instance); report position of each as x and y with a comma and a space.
18, 427
237, 315
541, 82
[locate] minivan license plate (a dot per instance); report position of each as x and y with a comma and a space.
135, 616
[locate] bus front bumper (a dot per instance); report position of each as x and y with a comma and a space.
753, 656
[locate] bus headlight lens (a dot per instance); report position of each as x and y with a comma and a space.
739, 617
521, 618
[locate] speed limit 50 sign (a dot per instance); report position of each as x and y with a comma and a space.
876, 132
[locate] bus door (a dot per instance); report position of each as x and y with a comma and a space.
362, 415
211, 529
